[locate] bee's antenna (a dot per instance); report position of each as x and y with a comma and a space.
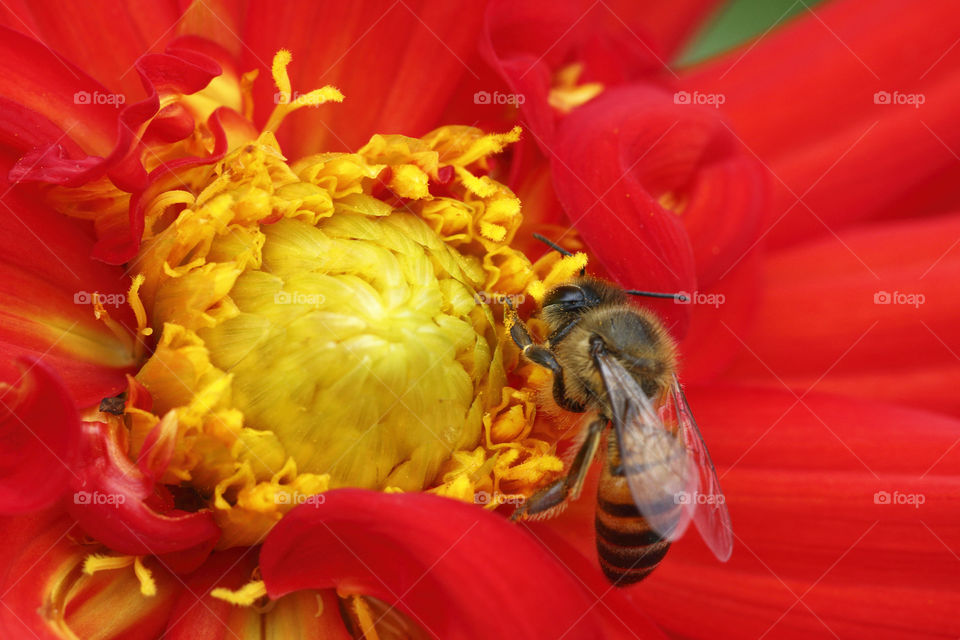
553, 245
679, 297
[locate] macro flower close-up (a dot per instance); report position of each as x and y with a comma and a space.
420, 319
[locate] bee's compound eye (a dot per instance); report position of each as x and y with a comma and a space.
567, 297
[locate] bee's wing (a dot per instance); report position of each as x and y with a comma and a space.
709, 508
655, 461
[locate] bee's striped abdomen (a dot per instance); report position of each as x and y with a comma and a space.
626, 545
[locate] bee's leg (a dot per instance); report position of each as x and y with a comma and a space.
587, 453
571, 484
542, 356
562, 332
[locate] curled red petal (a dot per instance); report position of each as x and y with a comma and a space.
114, 503
40, 429
616, 160
824, 100
177, 71
122, 244
447, 564
527, 43
77, 137
639, 173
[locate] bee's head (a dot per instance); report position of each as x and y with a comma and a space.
572, 299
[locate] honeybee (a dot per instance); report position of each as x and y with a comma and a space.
618, 362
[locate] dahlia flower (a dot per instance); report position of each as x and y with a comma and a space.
255, 379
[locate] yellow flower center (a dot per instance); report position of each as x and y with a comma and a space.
335, 322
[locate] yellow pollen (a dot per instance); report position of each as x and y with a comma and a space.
286, 101
361, 610
567, 94
671, 201
96, 562
245, 596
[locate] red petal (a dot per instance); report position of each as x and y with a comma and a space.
618, 156
112, 503
821, 324
199, 615
73, 29
72, 103
803, 99
665, 26
41, 583
527, 42
719, 315
39, 100
40, 429
396, 63
37, 547
457, 570
620, 614
800, 484
46, 284
218, 21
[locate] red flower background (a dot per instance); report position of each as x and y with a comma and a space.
802, 186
